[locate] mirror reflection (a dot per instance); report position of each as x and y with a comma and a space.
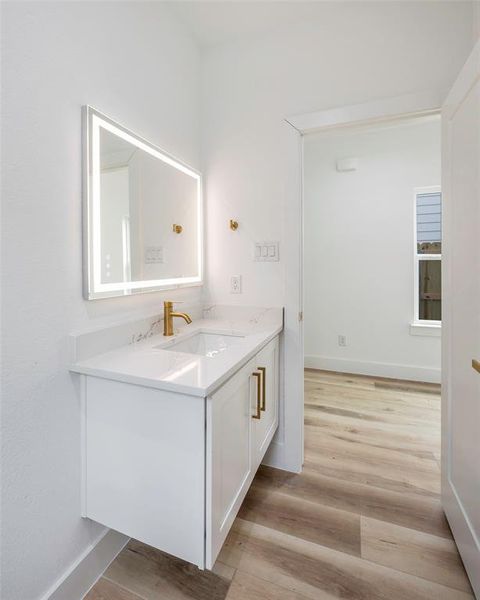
146, 221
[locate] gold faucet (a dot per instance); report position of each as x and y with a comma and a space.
168, 314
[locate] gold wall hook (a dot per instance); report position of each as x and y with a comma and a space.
177, 228
233, 225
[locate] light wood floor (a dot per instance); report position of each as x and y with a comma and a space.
362, 522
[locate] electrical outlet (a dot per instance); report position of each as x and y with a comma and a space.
342, 340
236, 284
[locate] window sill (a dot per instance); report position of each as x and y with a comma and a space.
426, 329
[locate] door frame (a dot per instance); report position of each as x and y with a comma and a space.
376, 111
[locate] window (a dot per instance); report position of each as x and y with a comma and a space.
428, 256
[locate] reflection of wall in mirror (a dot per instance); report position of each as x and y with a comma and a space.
161, 195
114, 185
141, 197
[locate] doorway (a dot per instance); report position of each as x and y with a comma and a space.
372, 331
372, 249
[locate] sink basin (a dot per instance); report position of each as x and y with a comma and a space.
205, 344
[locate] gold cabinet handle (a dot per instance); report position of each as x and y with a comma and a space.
476, 364
258, 376
263, 371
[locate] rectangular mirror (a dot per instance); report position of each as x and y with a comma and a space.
143, 228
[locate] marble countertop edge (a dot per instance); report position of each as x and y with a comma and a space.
150, 363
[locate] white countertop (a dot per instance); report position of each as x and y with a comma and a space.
150, 363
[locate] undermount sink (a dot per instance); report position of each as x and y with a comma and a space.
205, 344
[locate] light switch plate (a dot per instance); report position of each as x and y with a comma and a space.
153, 255
266, 252
347, 164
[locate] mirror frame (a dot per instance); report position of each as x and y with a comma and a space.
92, 285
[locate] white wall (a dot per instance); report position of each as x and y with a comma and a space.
138, 65
356, 53
156, 216
359, 52
359, 246
476, 20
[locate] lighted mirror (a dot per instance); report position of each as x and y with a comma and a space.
143, 214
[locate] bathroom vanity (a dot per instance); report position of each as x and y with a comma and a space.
175, 428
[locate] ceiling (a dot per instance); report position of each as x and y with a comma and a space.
221, 21
226, 20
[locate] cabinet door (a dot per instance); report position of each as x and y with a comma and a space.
144, 465
228, 454
266, 362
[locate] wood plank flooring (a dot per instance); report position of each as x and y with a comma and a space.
363, 521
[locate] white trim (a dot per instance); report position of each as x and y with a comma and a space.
275, 450
426, 328
286, 451
82, 575
376, 369
382, 109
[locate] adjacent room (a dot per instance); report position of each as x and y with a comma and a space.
372, 249
372, 298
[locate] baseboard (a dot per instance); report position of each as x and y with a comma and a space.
409, 372
88, 568
275, 457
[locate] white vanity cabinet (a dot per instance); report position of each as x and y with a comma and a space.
242, 417
171, 469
